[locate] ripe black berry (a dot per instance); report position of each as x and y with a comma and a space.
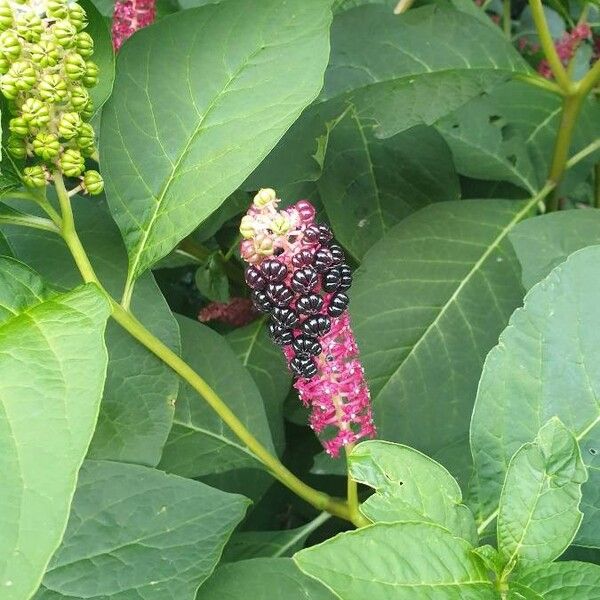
303, 258
285, 317
316, 326
323, 259
337, 253
280, 335
332, 279
346, 277
273, 270
309, 305
303, 366
279, 294
338, 304
261, 301
311, 234
305, 344
325, 234
304, 280
254, 278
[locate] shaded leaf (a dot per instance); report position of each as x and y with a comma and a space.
211, 279
563, 580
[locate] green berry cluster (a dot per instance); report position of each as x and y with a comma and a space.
46, 73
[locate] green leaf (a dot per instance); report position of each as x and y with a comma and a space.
211, 279
563, 580
543, 366
539, 506
411, 561
409, 486
428, 303
135, 532
52, 369
546, 241
368, 184
266, 364
199, 100
9, 178
138, 402
200, 443
258, 579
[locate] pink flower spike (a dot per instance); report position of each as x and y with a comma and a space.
129, 16
237, 312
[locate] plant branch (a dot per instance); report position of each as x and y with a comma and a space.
583, 154
24, 220
353, 504
403, 6
540, 82
585, 85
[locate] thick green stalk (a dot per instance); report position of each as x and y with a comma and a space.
353, 503
506, 19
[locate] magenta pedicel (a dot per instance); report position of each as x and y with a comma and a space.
299, 277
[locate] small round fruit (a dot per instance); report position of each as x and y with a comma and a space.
46, 145
306, 344
29, 26
309, 305
316, 326
52, 88
338, 304
57, 9
84, 44
16, 147
86, 136
35, 112
273, 270
18, 126
24, 75
90, 78
80, 98
74, 65
72, 163
6, 15
69, 125
279, 294
34, 177
254, 278
77, 16
63, 33
10, 46
93, 182
304, 280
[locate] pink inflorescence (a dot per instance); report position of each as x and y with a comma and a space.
129, 16
237, 312
566, 48
299, 277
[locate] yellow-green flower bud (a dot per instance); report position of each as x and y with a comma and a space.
90, 79
72, 163
264, 197
88, 151
34, 177
16, 146
46, 145
57, 9
24, 75
29, 26
7, 87
86, 136
280, 224
88, 112
64, 33
45, 54
80, 98
10, 45
263, 244
18, 126
75, 66
35, 112
52, 88
93, 182
4, 64
84, 44
77, 16
69, 125
247, 227
6, 15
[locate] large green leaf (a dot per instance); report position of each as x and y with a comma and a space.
138, 402
137, 533
199, 99
262, 579
266, 364
544, 242
569, 580
200, 443
409, 487
369, 184
411, 561
52, 369
543, 366
539, 505
429, 301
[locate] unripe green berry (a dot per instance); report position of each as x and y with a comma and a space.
88, 112
16, 146
57, 9
18, 126
88, 151
29, 26
86, 136
64, 33
6, 15
72, 163
75, 66
35, 112
4, 64
79, 98
69, 125
52, 88
7, 87
45, 145
84, 44
24, 75
93, 182
90, 79
45, 54
10, 46
34, 177
77, 16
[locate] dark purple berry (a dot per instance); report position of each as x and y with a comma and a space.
303, 366
285, 317
273, 270
309, 305
261, 301
325, 234
345, 277
254, 278
279, 294
316, 326
304, 280
323, 259
337, 304
303, 258
332, 279
305, 344
337, 253
311, 234
280, 335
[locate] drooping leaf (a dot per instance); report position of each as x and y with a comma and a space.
135, 532
409, 486
543, 366
567, 580
539, 505
52, 369
428, 303
546, 241
262, 579
211, 279
138, 402
199, 99
200, 443
411, 561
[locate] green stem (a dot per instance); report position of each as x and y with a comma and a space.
32, 221
353, 504
585, 85
403, 6
539, 81
597, 185
506, 19
583, 153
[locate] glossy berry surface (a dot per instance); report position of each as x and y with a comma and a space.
254, 278
273, 270
303, 366
311, 234
316, 326
325, 234
304, 280
309, 305
285, 317
323, 259
345, 277
261, 301
338, 304
306, 344
280, 335
331, 280
337, 253
279, 294
303, 258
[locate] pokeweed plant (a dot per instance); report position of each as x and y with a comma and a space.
131, 440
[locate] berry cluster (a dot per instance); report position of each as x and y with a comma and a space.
299, 278
46, 72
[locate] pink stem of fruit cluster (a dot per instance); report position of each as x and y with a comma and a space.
129, 16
